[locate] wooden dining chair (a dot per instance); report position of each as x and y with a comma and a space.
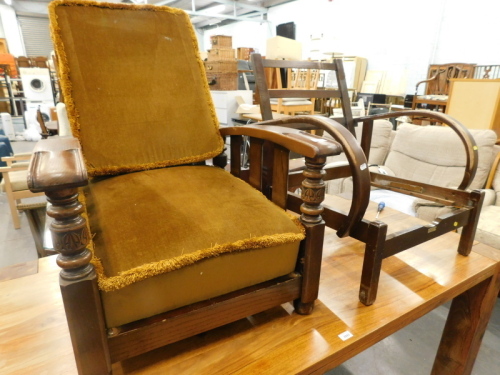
15, 184
303, 85
297, 79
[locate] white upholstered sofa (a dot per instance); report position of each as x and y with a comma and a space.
433, 155
488, 228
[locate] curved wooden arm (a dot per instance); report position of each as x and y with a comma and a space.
294, 140
57, 164
14, 167
429, 80
25, 156
463, 133
357, 164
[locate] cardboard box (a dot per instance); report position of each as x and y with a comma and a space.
279, 48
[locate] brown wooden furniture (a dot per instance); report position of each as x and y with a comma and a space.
15, 185
297, 79
23, 62
266, 92
114, 315
438, 77
39, 62
278, 341
438, 86
8, 59
36, 213
380, 245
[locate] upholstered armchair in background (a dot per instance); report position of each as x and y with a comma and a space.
13, 172
158, 246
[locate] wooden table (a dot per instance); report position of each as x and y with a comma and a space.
35, 339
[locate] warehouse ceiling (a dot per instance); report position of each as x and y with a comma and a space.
205, 14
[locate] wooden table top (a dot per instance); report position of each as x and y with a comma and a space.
34, 337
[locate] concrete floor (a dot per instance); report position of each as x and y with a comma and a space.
410, 351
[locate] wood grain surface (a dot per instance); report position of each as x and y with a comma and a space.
34, 337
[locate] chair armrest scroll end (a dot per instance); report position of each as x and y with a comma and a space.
57, 164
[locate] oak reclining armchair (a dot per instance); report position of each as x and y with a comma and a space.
157, 246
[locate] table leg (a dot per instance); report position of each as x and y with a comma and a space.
469, 315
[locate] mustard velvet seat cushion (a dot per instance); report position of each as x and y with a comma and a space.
166, 238
134, 86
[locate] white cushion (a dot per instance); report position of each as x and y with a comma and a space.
488, 228
496, 185
435, 155
19, 180
381, 141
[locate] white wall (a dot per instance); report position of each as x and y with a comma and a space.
394, 35
470, 32
245, 34
12, 31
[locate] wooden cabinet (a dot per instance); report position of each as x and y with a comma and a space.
226, 105
475, 103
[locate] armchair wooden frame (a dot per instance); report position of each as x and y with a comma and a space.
57, 168
379, 245
265, 94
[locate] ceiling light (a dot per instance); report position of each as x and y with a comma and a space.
8, 2
197, 19
218, 9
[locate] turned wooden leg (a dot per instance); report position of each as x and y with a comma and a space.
313, 193
372, 263
469, 230
78, 283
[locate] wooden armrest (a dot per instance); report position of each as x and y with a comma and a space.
17, 157
57, 164
295, 140
14, 168
357, 163
463, 133
428, 80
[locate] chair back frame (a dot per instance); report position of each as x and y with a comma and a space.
265, 94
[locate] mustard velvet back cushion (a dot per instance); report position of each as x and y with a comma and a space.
134, 86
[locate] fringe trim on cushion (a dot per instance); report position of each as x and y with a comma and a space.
145, 271
134, 275
66, 87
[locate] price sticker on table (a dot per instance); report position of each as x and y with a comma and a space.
345, 335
